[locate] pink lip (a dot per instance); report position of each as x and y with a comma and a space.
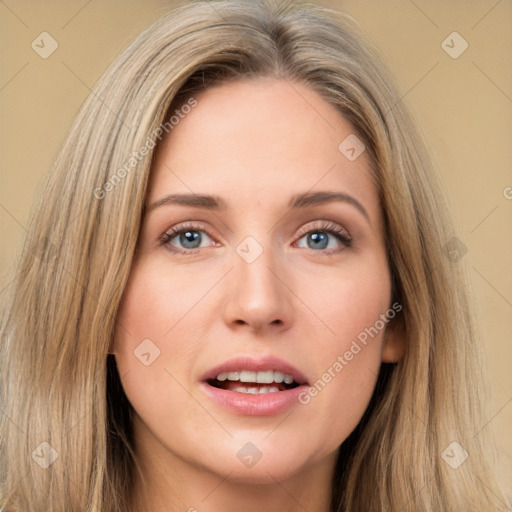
266, 404
256, 365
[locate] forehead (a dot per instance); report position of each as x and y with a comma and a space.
260, 142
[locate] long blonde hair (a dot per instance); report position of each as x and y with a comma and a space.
59, 387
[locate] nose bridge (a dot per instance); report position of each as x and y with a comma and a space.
257, 296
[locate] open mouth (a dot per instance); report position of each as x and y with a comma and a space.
254, 383
247, 386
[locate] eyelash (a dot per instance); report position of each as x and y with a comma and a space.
324, 227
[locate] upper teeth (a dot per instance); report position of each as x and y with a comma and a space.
266, 377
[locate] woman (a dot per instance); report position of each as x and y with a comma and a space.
236, 290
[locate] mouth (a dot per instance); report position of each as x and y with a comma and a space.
254, 387
254, 383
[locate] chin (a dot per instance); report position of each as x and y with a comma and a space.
261, 473
259, 462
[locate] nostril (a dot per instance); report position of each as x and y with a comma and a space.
243, 322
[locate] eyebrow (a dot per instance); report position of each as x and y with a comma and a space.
207, 202
216, 203
317, 198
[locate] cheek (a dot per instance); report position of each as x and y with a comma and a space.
148, 315
161, 323
151, 342
348, 353
156, 304
349, 304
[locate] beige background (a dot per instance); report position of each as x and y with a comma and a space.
464, 104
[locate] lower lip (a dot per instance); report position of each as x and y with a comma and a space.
246, 404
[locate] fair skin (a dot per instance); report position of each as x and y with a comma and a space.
253, 144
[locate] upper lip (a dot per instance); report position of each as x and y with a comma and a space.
256, 365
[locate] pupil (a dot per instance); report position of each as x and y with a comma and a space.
189, 239
319, 240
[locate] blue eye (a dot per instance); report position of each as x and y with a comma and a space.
186, 239
327, 237
317, 240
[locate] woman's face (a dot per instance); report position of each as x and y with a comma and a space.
261, 257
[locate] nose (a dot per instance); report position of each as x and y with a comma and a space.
258, 296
